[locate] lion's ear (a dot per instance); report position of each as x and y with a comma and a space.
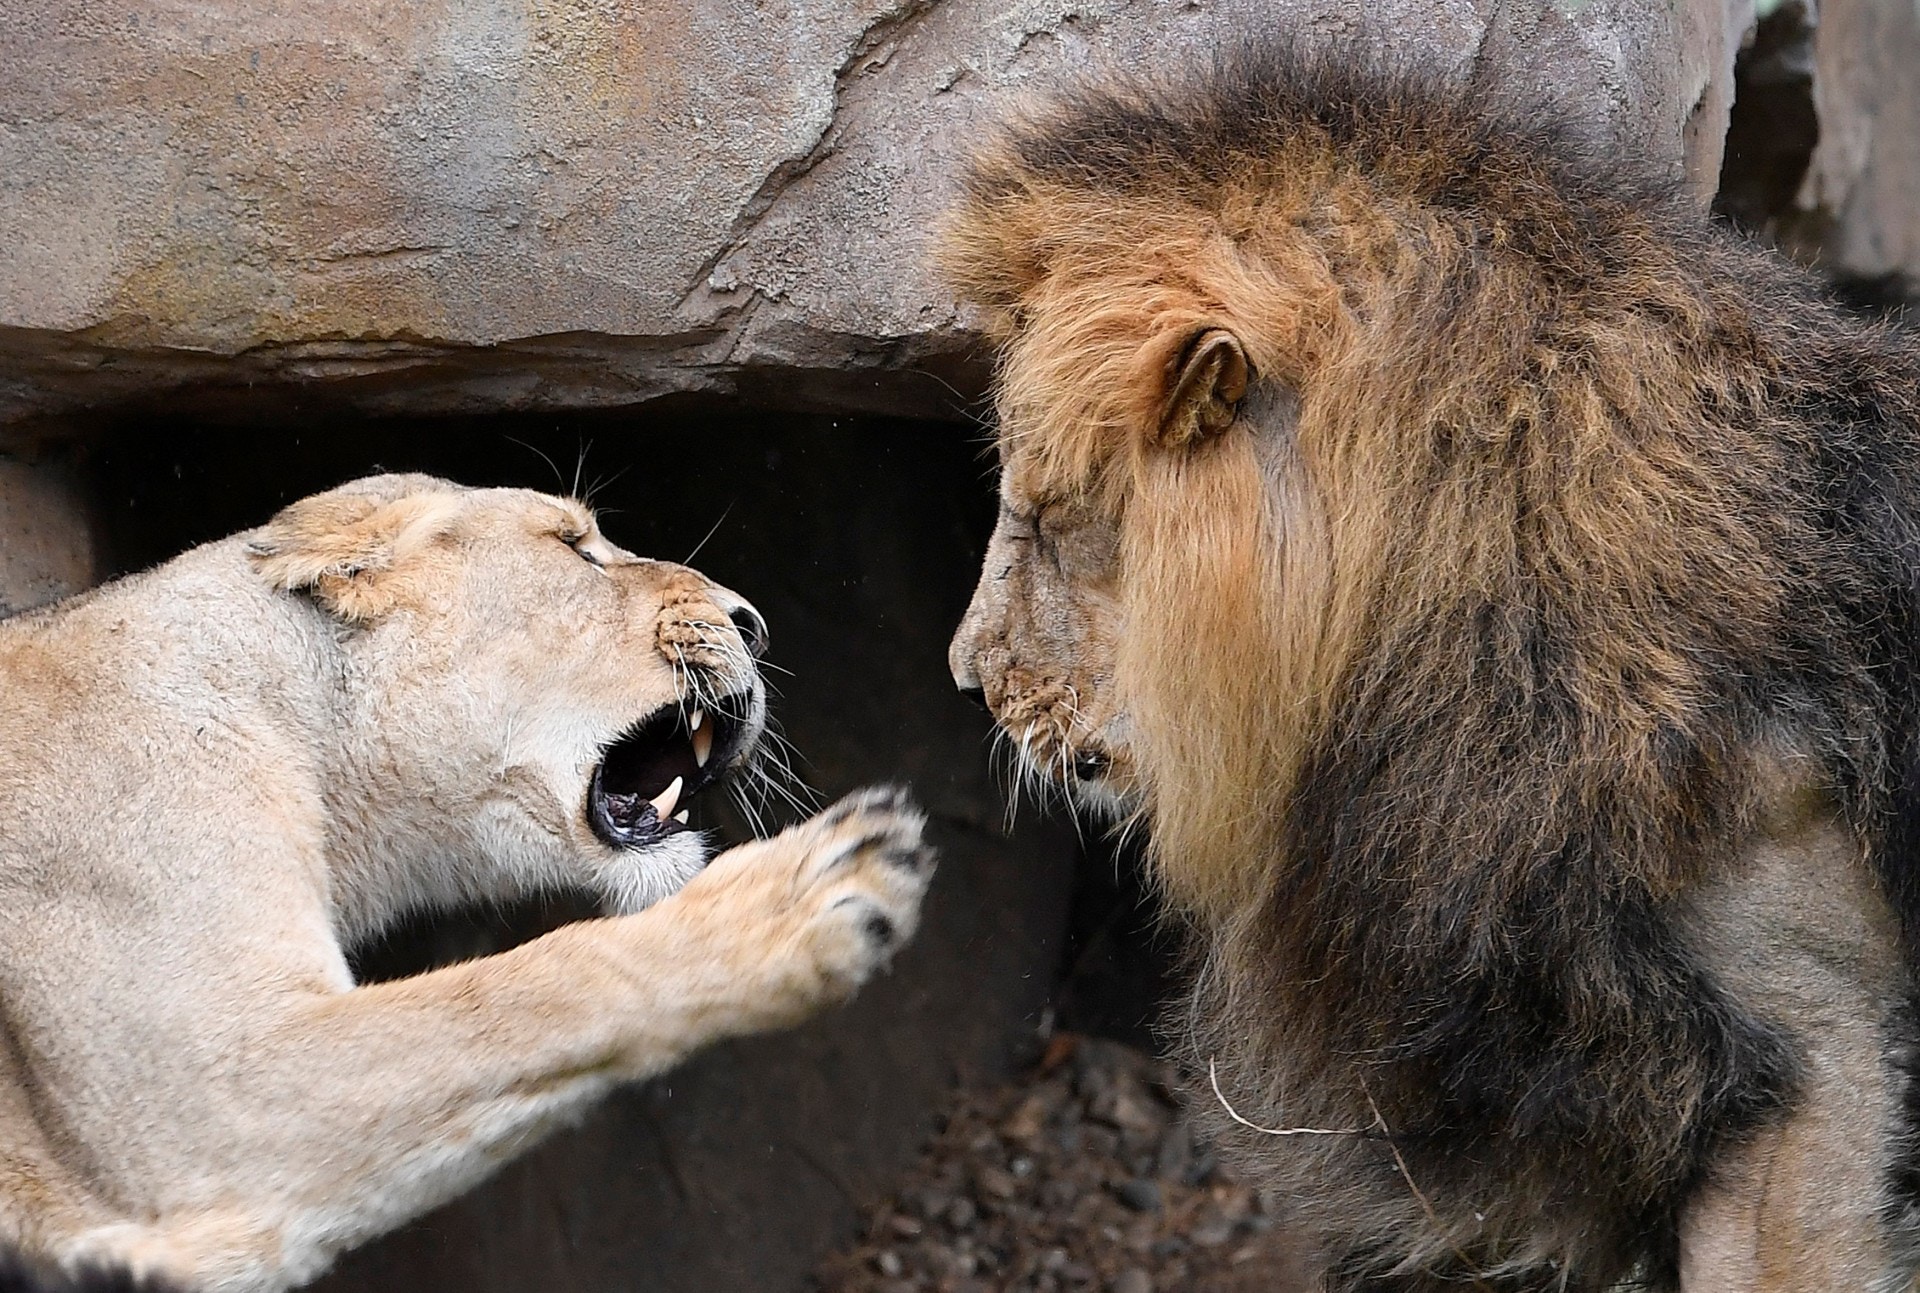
342, 548
1208, 379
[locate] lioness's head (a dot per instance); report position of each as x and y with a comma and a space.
520, 700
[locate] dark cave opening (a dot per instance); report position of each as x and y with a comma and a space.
1773, 128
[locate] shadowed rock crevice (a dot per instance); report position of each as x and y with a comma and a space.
1823, 146
1773, 128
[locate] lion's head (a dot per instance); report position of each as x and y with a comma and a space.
1156, 619
521, 700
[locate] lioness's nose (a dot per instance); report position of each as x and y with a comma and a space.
750, 622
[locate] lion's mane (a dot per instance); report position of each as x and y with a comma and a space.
1576, 511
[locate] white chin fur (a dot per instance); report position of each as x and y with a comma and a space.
636, 880
1097, 799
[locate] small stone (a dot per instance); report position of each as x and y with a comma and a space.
1234, 1201
1132, 1110
941, 1260
1088, 1208
1139, 1194
1058, 1195
961, 1214
992, 1183
1175, 1154
1060, 1049
1211, 1232
1028, 1120
906, 1227
889, 1263
1131, 1280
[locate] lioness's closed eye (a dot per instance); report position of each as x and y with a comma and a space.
396, 694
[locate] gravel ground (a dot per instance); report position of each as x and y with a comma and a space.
1084, 1176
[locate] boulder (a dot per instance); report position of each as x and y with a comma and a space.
1860, 200
472, 206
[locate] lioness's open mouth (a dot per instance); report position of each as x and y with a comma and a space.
646, 777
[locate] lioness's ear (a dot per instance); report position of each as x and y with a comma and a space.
1209, 376
343, 548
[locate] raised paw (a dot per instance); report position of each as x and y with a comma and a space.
863, 870
812, 913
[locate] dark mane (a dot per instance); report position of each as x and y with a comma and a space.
1381, 108
1651, 529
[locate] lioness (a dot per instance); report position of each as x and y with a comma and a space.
1497, 592
216, 775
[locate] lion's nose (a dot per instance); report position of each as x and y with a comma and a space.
960, 659
751, 623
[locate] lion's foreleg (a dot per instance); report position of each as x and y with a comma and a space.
1802, 1207
1805, 1204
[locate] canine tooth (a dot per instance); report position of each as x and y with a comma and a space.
696, 718
664, 802
702, 744
681, 816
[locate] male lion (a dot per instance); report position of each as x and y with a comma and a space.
396, 694
1495, 591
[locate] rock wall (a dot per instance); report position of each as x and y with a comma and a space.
1861, 194
46, 534
503, 204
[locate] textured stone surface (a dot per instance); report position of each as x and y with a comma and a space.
490, 204
46, 536
1862, 186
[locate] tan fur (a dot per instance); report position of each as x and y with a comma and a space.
216, 775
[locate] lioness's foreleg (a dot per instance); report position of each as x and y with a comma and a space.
364, 1108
